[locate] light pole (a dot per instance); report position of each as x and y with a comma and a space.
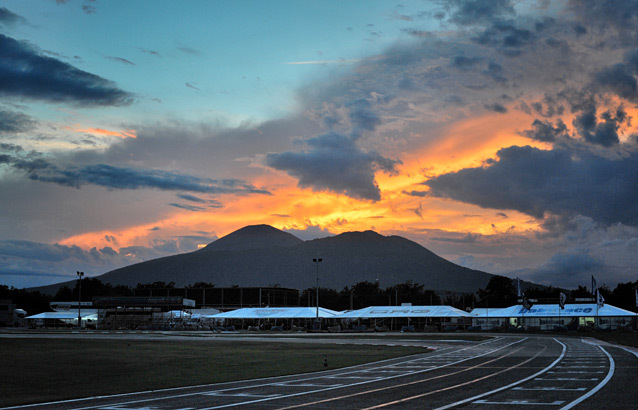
316, 261
80, 274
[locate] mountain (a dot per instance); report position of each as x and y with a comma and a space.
261, 255
253, 237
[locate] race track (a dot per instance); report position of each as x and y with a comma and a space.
502, 372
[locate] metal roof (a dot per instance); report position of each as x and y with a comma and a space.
63, 315
571, 310
277, 313
403, 311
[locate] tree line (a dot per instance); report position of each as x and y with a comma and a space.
499, 292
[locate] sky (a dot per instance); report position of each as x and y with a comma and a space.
501, 135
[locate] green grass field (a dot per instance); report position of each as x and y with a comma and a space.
40, 370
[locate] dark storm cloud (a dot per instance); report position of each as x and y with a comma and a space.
496, 107
39, 251
361, 117
506, 38
619, 15
561, 182
334, 163
470, 12
26, 73
620, 78
9, 18
566, 268
15, 122
191, 208
603, 133
192, 198
545, 131
112, 177
419, 194
495, 71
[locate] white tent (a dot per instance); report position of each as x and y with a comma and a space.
572, 310
383, 312
63, 315
277, 313
69, 317
549, 317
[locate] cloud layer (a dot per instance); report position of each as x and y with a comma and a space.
26, 73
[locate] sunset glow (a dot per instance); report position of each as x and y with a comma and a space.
500, 135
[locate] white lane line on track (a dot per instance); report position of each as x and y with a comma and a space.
562, 354
567, 379
550, 388
600, 385
364, 382
520, 402
309, 376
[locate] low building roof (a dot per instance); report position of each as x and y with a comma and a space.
571, 310
277, 313
403, 311
63, 315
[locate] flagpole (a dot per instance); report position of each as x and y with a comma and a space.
597, 320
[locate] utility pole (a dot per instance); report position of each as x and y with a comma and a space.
80, 274
316, 261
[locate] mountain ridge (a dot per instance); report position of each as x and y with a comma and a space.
261, 255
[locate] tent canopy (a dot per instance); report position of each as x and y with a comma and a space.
277, 313
63, 315
379, 312
571, 310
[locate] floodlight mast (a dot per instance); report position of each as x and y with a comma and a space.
316, 261
80, 274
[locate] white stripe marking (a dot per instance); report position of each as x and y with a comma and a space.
562, 354
550, 388
568, 379
520, 402
600, 385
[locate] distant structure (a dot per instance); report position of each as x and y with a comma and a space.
10, 315
574, 317
229, 298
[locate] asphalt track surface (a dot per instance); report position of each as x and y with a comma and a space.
535, 372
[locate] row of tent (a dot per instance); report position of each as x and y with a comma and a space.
380, 312
386, 312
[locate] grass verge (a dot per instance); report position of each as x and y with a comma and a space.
42, 370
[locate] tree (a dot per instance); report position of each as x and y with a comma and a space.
624, 296
499, 292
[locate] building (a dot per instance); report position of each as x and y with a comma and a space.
407, 317
10, 315
139, 312
586, 316
229, 298
65, 314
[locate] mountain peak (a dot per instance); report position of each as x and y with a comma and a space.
253, 237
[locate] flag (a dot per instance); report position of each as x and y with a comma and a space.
518, 287
527, 304
593, 285
600, 299
562, 298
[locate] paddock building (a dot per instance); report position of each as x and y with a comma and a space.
228, 298
275, 318
137, 312
588, 316
406, 318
